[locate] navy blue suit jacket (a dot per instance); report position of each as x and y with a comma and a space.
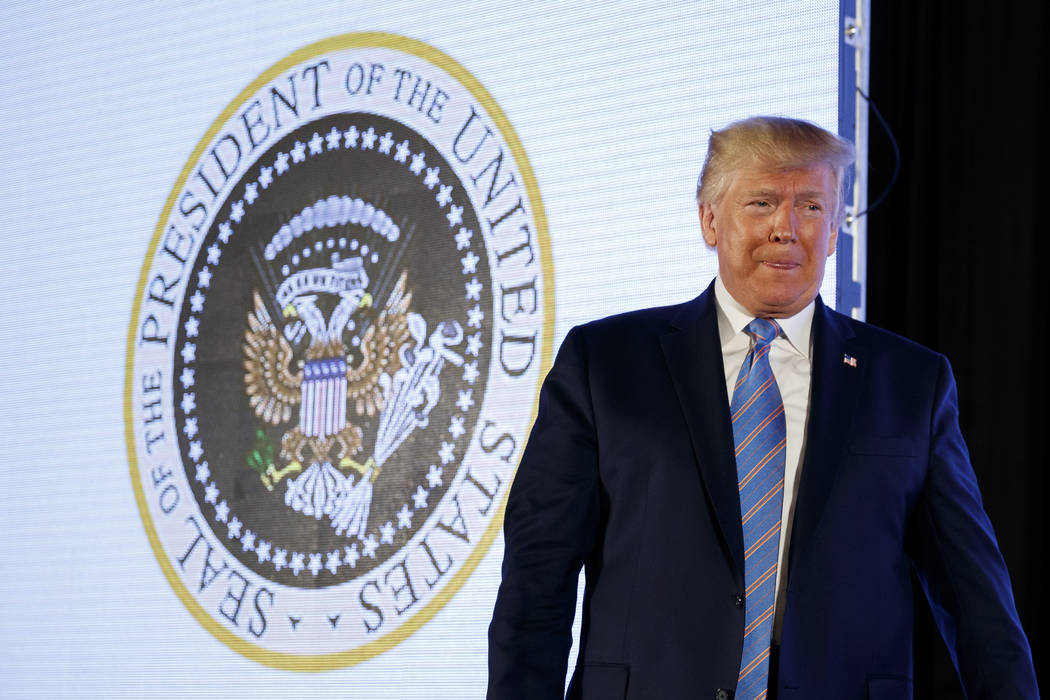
629, 472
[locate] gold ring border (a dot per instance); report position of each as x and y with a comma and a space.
326, 662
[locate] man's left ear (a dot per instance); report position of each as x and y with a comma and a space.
833, 240
707, 225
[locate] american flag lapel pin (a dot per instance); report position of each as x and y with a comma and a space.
850, 360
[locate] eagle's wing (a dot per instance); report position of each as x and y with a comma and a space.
379, 350
272, 388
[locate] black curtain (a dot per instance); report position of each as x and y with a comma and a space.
958, 257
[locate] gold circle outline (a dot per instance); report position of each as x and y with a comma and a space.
334, 660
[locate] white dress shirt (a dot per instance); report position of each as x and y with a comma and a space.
789, 358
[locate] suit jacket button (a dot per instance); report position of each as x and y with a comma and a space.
738, 600
723, 694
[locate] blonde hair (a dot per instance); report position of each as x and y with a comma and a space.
779, 143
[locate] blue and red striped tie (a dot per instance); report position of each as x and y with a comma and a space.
760, 434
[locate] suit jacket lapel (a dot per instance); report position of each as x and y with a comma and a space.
693, 354
836, 382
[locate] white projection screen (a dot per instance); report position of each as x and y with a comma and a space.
281, 281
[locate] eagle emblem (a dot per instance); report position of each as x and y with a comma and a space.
302, 375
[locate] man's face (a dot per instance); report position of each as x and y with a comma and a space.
772, 231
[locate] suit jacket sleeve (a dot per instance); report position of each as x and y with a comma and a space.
961, 569
550, 527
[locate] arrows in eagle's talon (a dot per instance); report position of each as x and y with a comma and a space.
369, 465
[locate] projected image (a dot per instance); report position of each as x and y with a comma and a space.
345, 311
283, 284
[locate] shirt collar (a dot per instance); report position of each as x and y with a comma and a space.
733, 319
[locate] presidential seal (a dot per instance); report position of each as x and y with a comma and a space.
335, 351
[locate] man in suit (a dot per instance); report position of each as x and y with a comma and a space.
749, 479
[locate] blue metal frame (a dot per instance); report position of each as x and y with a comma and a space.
848, 292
